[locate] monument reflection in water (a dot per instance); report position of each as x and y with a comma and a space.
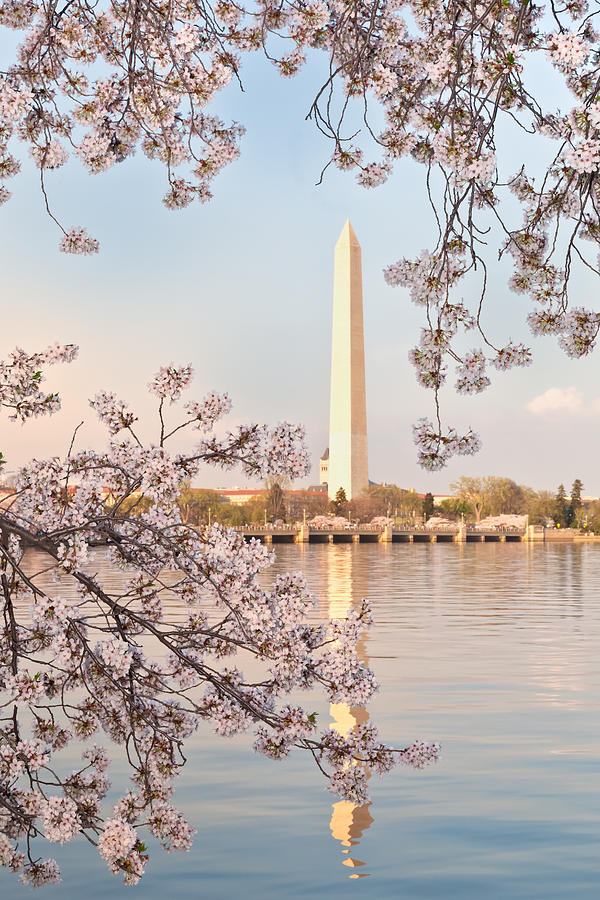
348, 820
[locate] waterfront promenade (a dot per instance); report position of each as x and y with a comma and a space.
313, 534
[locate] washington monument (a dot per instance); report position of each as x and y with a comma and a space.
348, 459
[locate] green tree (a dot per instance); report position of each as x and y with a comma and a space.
409, 506
561, 512
491, 496
428, 506
339, 505
575, 506
576, 494
255, 510
194, 505
453, 508
472, 491
539, 506
388, 495
592, 514
198, 506
503, 495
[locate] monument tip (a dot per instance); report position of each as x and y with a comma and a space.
347, 234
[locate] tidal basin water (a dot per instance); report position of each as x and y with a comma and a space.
494, 650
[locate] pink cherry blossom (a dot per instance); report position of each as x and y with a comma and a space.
441, 83
111, 662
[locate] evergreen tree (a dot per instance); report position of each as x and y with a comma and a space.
576, 494
428, 506
560, 506
575, 504
339, 505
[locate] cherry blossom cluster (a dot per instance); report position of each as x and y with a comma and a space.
471, 373
78, 241
87, 660
435, 448
21, 377
170, 381
208, 411
579, 330
265, 451
112, 411
119, 846
104, 82
420, 754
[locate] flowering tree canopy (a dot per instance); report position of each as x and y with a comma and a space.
103, 80
115, 661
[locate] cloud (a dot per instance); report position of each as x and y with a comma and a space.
566, 401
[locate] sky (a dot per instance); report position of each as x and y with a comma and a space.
241, 288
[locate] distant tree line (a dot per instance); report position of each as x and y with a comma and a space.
379, 500
198, 507
474, 499
493, 496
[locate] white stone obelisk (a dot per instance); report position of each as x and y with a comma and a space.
348, 460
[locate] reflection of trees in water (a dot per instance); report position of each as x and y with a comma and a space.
563, 567
348, 820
